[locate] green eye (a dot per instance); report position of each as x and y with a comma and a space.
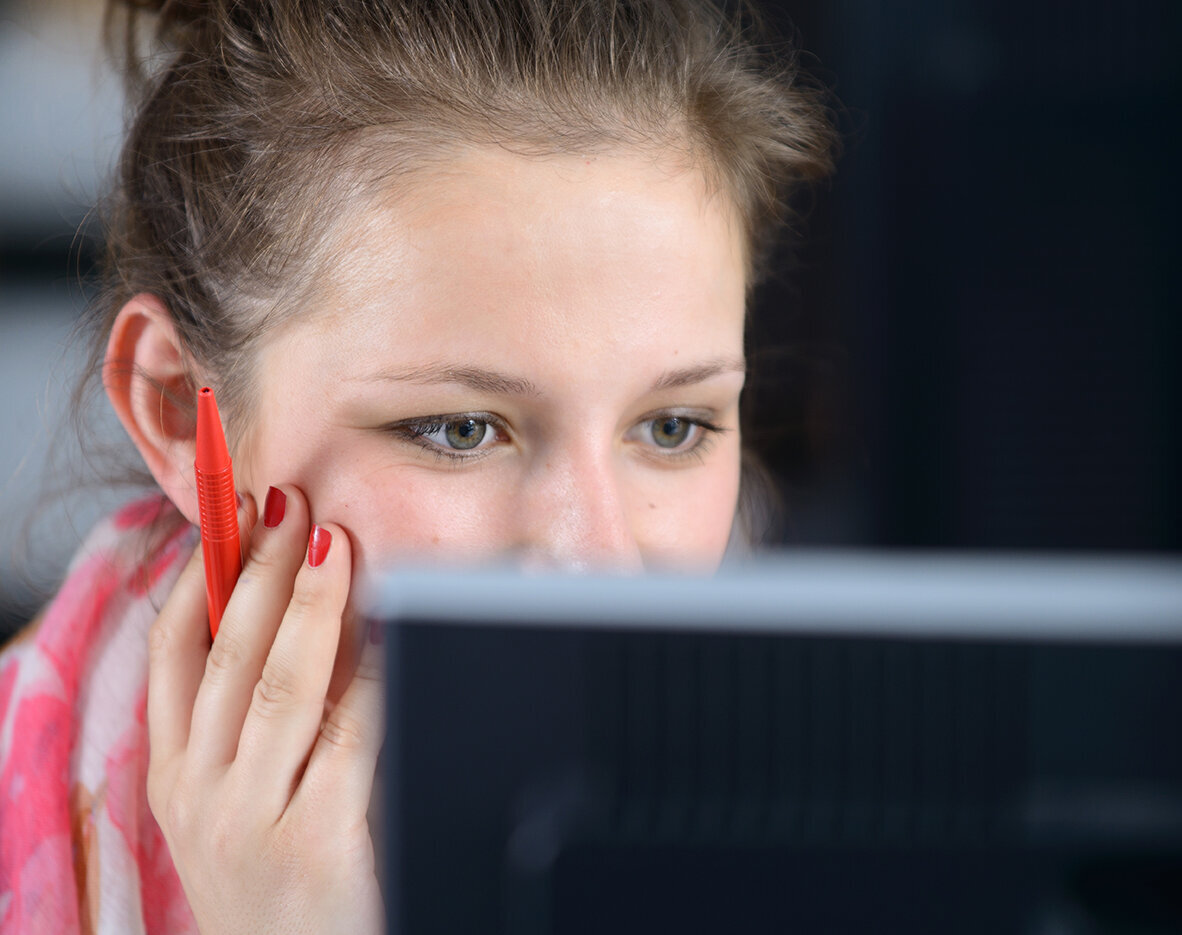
465, 433
459, 436
670, 432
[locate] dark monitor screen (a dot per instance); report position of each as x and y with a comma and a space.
820, 743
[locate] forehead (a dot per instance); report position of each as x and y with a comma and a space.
597, 251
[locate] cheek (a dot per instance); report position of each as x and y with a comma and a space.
393, 513
403, 515
685, 520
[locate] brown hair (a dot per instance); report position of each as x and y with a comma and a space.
252, 119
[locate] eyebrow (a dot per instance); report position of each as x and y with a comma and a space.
698, 373
500, 384
476, 378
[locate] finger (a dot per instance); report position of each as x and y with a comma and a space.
338, 782
177, 644
288, 702
248, 627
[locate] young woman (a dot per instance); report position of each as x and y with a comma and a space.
469, 279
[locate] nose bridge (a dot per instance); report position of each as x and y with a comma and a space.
575, 513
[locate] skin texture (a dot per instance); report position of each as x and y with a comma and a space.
571, 306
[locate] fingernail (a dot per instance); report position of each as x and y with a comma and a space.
375, 632
318, 542
274, 508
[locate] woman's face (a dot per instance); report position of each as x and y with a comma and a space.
537, 359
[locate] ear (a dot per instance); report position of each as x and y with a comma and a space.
150, 388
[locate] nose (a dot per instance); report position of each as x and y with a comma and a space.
573, 515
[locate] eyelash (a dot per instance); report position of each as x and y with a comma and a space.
415, 430
708, 433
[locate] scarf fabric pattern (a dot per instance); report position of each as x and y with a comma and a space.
79, 849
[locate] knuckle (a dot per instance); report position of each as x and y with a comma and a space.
344, 731
306, 600
277, 691
263, 559
176, 817
172, 808
226, 655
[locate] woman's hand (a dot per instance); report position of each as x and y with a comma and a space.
258, 779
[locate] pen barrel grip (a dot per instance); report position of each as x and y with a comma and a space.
218, 514
217, 504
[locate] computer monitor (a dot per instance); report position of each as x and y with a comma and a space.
812, 743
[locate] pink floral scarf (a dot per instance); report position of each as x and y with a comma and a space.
79, 850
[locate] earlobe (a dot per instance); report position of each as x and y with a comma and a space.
149, 384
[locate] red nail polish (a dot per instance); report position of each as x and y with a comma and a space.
318, 542
274, 508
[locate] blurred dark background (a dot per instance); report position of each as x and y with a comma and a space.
973, 348
978, 346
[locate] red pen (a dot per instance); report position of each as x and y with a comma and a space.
217, 504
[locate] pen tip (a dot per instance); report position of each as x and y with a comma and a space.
212, 454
